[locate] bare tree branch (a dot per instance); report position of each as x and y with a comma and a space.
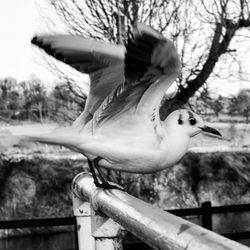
202, 32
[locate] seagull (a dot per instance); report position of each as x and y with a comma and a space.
120, 127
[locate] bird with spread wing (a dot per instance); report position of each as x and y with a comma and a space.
120, 128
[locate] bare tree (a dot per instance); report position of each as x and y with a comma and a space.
225, 19
9, 97
34, 98
202, 31
241, 104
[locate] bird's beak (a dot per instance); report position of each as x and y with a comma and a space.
210, 130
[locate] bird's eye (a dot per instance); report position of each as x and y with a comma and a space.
192, 121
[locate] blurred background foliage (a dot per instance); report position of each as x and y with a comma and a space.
31, 100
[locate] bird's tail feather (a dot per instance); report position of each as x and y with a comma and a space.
63, 137
68, 140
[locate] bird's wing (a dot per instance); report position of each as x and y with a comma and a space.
151, 65
103, 62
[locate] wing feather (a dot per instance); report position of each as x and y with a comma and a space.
118, 84
151, 65
101, 60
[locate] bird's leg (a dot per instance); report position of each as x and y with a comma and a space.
105, 184
92, 170
100, 172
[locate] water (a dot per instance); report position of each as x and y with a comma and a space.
55, 241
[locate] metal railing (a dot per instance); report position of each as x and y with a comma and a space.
205, 212
103, 215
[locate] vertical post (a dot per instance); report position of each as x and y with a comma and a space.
107, 233
82, 212
95, 231
206, 218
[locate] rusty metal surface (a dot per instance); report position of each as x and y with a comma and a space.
159, 229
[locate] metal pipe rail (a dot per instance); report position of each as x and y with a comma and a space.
159, 229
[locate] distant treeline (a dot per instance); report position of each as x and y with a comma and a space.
232, 107
32, 100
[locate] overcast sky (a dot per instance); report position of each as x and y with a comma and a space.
17, 26
18, 23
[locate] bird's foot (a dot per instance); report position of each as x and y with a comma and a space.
104, 183
107, 185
